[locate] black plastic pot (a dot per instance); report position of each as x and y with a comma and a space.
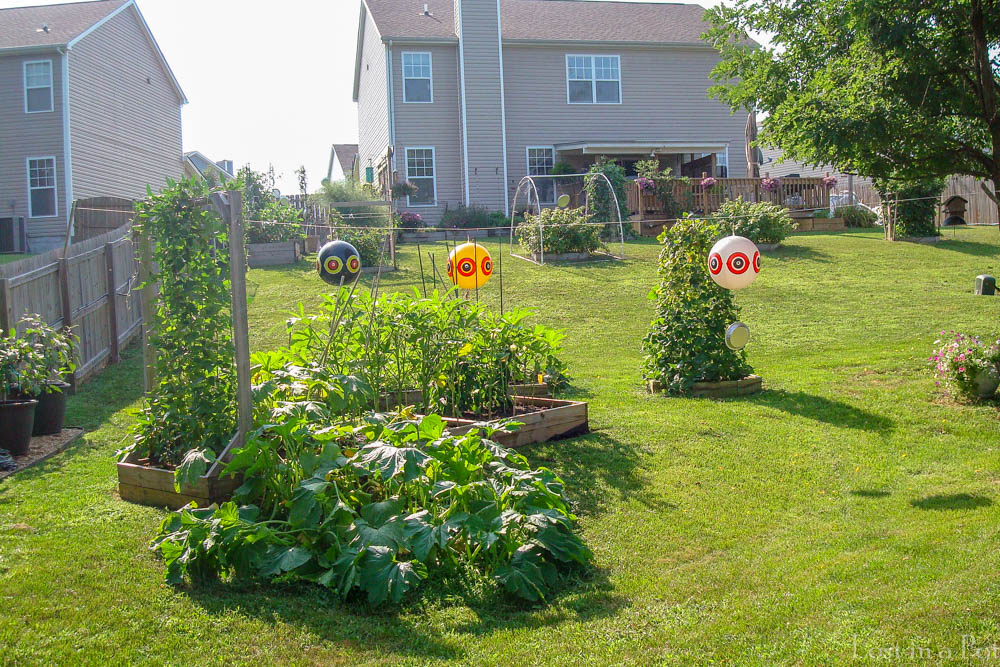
17, 419
51, 410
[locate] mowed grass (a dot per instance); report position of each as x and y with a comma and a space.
849, 514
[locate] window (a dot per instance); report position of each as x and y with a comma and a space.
722, 163
42, 187
540, 161
37, 86
593, 80
417, 86
420, 172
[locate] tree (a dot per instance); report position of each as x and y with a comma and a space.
898, 90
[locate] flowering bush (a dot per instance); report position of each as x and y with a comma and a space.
770, 184
646, 184
960, 360
411, 219
830, 182
708, 182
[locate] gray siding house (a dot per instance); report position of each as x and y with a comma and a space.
91, 109
464, 98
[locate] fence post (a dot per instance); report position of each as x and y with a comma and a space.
67, 305
109, 259
146, 301
241, 330
6, 308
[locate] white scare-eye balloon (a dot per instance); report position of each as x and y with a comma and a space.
734, 262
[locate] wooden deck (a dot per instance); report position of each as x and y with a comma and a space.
792, 193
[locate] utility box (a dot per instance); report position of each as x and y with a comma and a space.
986, 285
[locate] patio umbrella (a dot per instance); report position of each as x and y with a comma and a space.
753, 167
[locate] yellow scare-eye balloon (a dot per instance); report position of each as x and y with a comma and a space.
470, 266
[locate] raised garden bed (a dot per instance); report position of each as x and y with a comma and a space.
925, 240
819, 224
568, 257
767, 247
725, 389
43, 447
275, 254
546, 419
147, 485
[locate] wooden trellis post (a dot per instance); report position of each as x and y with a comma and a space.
241, 328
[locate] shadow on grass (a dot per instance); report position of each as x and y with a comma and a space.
789, 252
475, 607
969, 247
952, 501
823, 410
870, 493
598, 470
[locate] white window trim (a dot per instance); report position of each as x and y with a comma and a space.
527, 166
593, 75
402, 73
55, 183
24, 82
406, 161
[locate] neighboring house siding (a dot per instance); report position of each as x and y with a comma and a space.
482, 82
774, 169
125, 122
663, 97
438, 124
373, 113
24, 136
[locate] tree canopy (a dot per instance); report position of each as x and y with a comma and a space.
891, 89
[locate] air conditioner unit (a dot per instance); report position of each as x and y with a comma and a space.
13, 237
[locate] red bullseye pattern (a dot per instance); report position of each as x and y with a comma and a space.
715, 264
353, 264
487, 266
333, 265
737, 263
756, 262
466, 267
449, 268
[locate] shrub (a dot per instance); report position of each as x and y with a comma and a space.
22, 366
686, 340
959, 360
403, 189
471, 217
411, 219
56, 349
600, 201
563, 230
369, 244
760, 222
192, 405
660, 181
856, 216
917, 208
377, 506
261, 206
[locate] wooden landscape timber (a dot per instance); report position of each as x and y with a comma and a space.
752, 384
275, 254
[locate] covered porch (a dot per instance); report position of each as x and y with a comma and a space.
682, 158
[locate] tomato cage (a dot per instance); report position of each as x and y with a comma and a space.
593, 200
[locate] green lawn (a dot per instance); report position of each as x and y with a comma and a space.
848, 514
7, 258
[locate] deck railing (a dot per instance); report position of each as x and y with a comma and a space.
792, 193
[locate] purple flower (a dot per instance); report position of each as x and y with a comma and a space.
770, 184
708, 182
645, 184
830, 181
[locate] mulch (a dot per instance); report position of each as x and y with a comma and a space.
44, 446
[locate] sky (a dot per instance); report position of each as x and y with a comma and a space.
267, 82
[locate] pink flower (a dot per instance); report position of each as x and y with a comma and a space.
961, 369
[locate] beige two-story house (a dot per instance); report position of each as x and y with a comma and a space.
463, 98
90, 108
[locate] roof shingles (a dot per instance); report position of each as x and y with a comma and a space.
551, 20
22, 27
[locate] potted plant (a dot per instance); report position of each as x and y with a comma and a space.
967, 365
20, 369
57, 350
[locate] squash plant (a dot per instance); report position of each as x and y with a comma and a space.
192, 406
375, 505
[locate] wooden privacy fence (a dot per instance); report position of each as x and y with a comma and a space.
89, 290
792, 193
100, 215
981, 210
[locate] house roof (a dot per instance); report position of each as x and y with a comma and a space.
203, 164
25, 27
345, 154
42, 27
550, 20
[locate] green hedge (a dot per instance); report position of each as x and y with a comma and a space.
760, 222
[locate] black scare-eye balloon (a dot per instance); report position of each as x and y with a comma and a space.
336, 260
